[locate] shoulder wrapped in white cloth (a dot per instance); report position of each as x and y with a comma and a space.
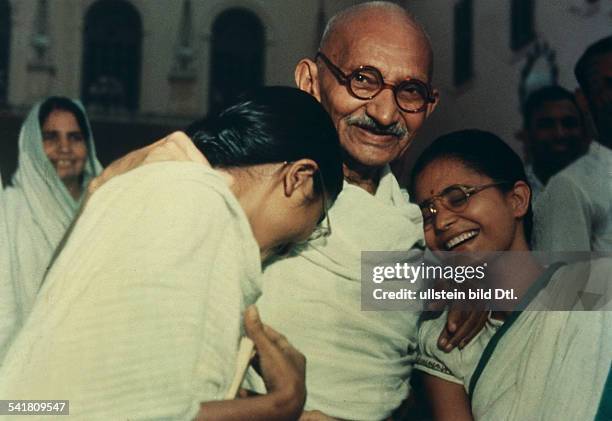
140, 315
359, 362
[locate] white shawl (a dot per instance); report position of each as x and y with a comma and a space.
140, 314
8, 310
39, 209
359, 362
549, 365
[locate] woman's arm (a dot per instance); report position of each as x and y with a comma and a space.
283, 369
265, 407
448, 400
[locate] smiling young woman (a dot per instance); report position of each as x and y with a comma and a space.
475, 199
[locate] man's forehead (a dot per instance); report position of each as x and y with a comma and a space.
556, 107
396, 58
381, 37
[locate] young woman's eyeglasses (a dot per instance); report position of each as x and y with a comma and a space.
323, 228
454, 198
365, 82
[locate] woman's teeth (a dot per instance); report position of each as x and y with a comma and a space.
453, 242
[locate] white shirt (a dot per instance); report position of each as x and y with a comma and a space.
574, 212
534, 182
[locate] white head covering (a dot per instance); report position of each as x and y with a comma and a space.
39, 208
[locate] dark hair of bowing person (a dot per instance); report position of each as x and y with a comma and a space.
273, 124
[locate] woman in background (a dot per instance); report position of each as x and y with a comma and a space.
56, 161
548, 365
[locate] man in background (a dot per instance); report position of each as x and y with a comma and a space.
574, 213
554, 134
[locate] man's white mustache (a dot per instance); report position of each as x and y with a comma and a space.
368, 123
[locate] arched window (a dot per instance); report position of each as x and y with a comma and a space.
464, 33
522, 30
5, 48
237, 56
111, 56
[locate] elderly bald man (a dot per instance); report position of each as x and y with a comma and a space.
373, 75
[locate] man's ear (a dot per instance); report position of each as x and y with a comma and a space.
520, 195
522, 136
432, 105
300, 177
589, 124
307, 77
582, 101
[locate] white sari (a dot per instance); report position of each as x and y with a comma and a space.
549, 365
8, 304
538, 364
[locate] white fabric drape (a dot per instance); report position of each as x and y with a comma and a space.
359, 362
140, 314
552, 365
8, 300
538, 365
574, 212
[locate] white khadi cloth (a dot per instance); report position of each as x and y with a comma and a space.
141, 313
534, 182
359, 362
8, 300
39, 209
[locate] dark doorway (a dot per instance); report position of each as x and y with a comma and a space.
237, 56
111, 56
5, 48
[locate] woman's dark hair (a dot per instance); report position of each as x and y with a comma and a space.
482, 152
273, 124
61, 103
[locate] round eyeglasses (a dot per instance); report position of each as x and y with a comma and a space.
454, 198
365, 82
